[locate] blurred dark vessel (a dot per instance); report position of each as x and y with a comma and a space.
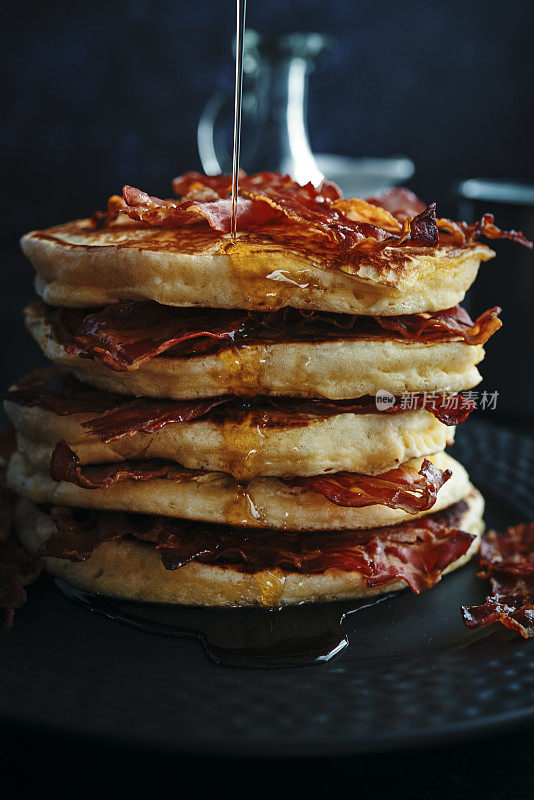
507, 281
274, 119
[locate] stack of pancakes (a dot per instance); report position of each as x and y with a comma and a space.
245, 421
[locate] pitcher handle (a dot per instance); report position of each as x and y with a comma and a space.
212, 162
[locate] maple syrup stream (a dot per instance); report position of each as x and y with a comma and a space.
241, 9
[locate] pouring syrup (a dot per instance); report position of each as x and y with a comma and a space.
241, 9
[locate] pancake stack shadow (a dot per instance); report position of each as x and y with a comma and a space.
245, 422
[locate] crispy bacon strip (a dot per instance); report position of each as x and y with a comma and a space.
171, 214
61, 394
464, 235
507, 560
402, 487
65, 466
148, 416
399, 202
423, 230
265, 198
302, 205
356, 228
417, 551
451, 409
453, 322
77, 537
399, 488
123, 336
305, 205
118, 416
193, 184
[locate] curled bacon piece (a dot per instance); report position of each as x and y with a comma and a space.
423, 230
171, 214
123, 336
507, 559
449, 323
77, 537
400, 202
463, 235
417, 551
485, 226
65, 466
402, 487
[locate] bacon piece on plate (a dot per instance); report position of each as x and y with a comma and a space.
507, 559
17, 568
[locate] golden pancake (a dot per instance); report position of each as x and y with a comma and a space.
78, 265
246, 445
336, 370
217, 497
133, 570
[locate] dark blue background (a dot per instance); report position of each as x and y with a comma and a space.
98, 94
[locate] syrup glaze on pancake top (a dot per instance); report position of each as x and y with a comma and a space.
236, 387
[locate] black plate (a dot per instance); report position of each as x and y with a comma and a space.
413, 674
